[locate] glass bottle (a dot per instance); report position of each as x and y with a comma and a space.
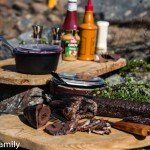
70, 22
37, 34
56, 31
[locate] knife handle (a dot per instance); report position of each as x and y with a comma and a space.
139, 129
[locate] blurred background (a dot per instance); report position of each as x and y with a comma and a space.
129, 28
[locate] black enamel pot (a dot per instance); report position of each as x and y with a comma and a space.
31, 59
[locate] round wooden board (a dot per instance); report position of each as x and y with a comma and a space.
14, 128
9, 75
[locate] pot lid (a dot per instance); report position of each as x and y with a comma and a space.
39, 48
81, 80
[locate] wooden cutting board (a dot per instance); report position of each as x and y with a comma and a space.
15, 128
10, 76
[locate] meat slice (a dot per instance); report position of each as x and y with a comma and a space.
98, 126
37, 115
75, 108
137, 119
61, 128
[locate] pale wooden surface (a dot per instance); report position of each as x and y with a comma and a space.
8, 74
13, 128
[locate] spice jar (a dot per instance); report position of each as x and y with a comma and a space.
70, 44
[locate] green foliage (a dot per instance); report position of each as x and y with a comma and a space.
135, 66
130, 90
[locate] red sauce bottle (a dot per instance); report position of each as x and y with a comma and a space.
70, 22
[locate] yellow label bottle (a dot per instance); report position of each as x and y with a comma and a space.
88, 31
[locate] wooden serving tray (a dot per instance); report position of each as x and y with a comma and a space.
9, 75
15, 128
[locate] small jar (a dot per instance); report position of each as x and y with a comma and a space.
70, 44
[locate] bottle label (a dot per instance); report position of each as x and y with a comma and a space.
72, 6
71, 47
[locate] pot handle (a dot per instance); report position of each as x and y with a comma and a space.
6, 42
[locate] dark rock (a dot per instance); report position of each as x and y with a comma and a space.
41, 1
20, 5
17, 103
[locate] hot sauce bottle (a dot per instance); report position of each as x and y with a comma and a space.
88, 32
70, 22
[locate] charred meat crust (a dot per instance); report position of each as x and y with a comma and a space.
137, 119
37, 115
121, 108
78, 107
75, 108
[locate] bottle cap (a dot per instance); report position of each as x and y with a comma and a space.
37, 31
56, 31
89, 7
75, 1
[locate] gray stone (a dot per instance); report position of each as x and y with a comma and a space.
54, 18
24, 24
39, 7
121, 10
114, 79
17, 103
20, 5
